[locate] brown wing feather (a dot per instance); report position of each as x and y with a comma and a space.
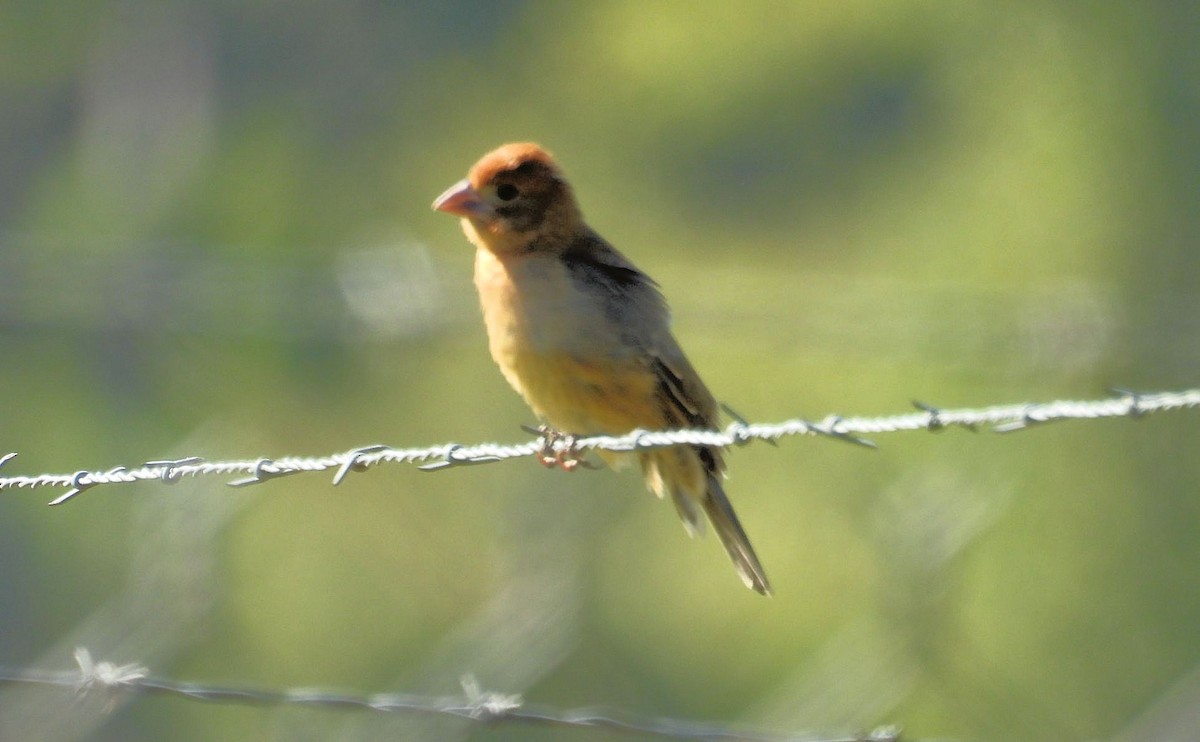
687, 402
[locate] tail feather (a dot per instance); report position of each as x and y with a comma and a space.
661, 483
692, 476
689, 513
729, 529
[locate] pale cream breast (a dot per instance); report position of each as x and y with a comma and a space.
555, 346
531, 305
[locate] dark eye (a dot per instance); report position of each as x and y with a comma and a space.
507, 191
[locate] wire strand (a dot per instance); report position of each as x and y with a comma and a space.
557, 447
110, 681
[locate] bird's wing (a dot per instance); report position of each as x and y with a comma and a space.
600, 268
632, 302
686, 399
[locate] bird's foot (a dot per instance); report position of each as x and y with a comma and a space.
558, 450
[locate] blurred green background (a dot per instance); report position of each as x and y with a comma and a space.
215, 240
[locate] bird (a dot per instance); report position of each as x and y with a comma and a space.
584, 336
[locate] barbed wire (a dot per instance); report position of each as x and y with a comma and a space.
554, 447
110, 681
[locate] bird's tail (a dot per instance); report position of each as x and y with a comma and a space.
692, 477
725, 522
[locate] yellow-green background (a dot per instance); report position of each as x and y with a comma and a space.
215, 240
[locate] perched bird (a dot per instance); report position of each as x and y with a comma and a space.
584, 336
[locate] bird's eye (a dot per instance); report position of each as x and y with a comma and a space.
506, 191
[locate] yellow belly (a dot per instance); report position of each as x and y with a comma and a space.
559, 351
585, 396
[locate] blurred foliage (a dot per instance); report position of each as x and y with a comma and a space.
216, 241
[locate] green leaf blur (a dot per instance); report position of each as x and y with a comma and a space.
217, 241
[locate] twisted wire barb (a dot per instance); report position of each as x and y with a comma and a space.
1001, 418
110, 681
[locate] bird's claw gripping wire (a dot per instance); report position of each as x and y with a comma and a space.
558, 449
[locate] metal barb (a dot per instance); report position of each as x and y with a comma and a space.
1000, 418
262, 473
1010, 427
1134, 399
112, 683
487, 705
828, 427
105, 678
170, 467
1027, 421
77, 487
450, 457
353, 461
539, 430
887, 733
935, 424
106, 675
740, 430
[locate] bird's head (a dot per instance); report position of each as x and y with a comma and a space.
514, 199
